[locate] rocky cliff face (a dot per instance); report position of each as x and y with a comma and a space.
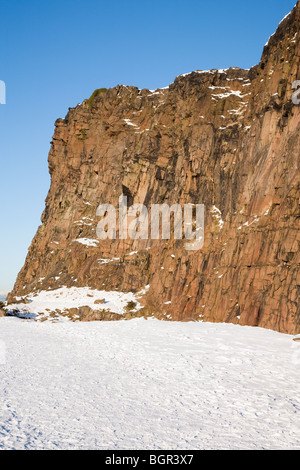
228, 139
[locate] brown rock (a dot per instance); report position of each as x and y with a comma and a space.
227, 139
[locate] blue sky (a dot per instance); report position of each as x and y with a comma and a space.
54, 53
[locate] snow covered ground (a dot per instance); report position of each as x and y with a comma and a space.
40, 304
147, 384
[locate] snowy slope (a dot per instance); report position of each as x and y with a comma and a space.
41, 304
146, 384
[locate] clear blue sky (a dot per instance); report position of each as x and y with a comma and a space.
54, 53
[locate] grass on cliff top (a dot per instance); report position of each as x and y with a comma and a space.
93, 96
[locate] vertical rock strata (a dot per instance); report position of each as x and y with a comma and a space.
228, 139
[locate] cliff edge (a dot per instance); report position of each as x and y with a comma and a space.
228, 139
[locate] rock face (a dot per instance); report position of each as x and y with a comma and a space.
228, 139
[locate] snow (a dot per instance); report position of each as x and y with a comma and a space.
130, 123
142, 132
229, 93
217, 214
293, 41
87, 241
43, 302
84, 221
218, 88
147, 384
286, 16
212, 71
267, 43
110, 260
158, 90
247, 224
236, 111
107, 260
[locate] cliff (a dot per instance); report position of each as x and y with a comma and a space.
228, 139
